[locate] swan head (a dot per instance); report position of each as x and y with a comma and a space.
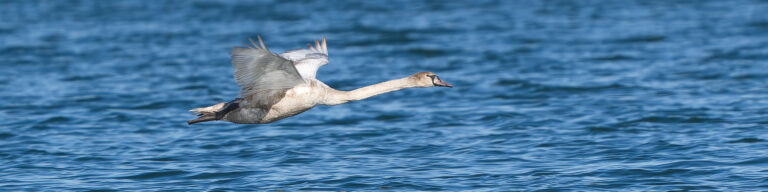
428, 79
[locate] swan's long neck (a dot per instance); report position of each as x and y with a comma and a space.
335, 97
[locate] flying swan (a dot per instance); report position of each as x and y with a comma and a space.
273, 87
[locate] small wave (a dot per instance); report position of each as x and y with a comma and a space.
25, 49
612, 58
102, 190
7, 30
346, 121
554, 88
748, 76
736, 54
6, 135
87, 98
84, 77
147, 105
537, 87
427, 52
44, 152
408, 186
642, 39
163, 159
688, 164
155, 174
217, 175
56, 119
423, 149
354, 178
92, 159
194, 87
601, 129
675, 119
747, 140
758, 24
754, 161
290, 161
390, 116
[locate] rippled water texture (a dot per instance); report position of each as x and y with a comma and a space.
549, 95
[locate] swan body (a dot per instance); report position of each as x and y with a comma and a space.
273, 87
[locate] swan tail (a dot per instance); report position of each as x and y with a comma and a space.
203, 118
214, 112
206, 113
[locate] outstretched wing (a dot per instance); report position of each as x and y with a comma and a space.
307, 61
256, 68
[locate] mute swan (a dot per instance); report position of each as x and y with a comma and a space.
273, 87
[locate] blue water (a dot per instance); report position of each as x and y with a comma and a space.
549, 95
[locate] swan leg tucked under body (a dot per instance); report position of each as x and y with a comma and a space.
274, 87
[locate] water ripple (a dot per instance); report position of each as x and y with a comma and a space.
549, 96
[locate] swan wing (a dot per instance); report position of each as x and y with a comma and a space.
256, 68
308, 60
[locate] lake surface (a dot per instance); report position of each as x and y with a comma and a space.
549, 95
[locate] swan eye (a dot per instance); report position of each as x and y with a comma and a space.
432, 77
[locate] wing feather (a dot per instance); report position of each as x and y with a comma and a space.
256, 68
307, 61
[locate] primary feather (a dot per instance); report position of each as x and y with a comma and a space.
256, 68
